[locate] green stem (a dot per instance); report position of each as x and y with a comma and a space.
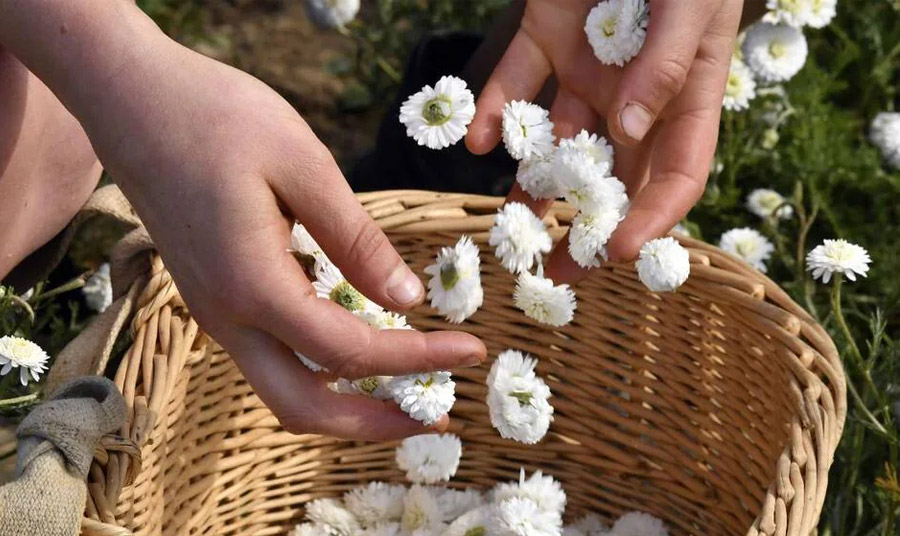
74, 284
24, 305
19, 400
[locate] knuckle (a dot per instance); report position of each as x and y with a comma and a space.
670, 76
367, 245
353, 361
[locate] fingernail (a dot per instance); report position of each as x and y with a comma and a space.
636, 121
472, 360
407, 290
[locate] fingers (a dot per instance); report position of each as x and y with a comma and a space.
519, 76
660, 70
561, 268
302, 401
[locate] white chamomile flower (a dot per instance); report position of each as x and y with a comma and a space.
791, 12
543, 489
517, 399
522, 517
527, 130
332, 13
472, 523
454, 503
332, 516
429, 458
663, 264
821, 13
616, 30
425, 397
511, 364
596, 149
330, 284
836, 257
378, 387
303, 242
97, 289
586, 186
747, 244
28, 357
775, 53
310, 364
421, 512
310, 529
439, 117
541, 300
455, 285
740, 88
535, 176
766, 203
885, 134
591, 525
381, 319
519, 237
375, 503
589, 234
383, 529
639, 524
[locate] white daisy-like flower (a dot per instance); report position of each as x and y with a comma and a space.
527, 130
330, 284
421, 512
476, 522
543, 489
381, 319
522, 517
303, 242
310, 364
740, 88
375, 503
589, 234
885, 134
28, 357
639, 524
517, 399
383, 529
775, 53
586, 185
766, 203
454, 503
439, 117
591, 525
455, 285
377, 387
310, 529
519, 237
596, 149
616, 30
535, 176
663, 264
332, 516
821, 13
791, 12
541, 300
429, 458
834, 257
425, 397
332, 13
97, 289
511, 364
747, 244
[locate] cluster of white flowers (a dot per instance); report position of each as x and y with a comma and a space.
616, 30
455, 285
332, 13
429, 458
748, 245
97, 289
540, 299
28, 357
838, 257
527, 130
439, 117
885, 134
800, 13
518, 399
519, 237
663, 264
425, 397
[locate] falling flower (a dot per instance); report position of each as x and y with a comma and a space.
332, 13
595, 149
541, 300
639, 524
740, 88
425, 397
775, 53
428, 458
519, 237
616, 30
885, 134
765, 203
421, 512
589, 234
543, 489
748, 244
527, 130
663, 264
455, 503
455, 285
28, 357
835, 257
97, 289
522, 517
473, 522
535, 176
439, 117
375, 503
331, 515
585, 184
517, 399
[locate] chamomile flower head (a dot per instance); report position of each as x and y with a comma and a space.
836, 257
821, 13
519, 407
519, 516
473, 522
591, 525
439, 117
28, 357
767, 203
616, 30
332, 516
740, 88
375, 503
775, 53
310, 364
639, 524
332, 13
543, 489
527, 130
535, 176
425, 397
748, 244
303, 242
380, 319
794, 13
541, 300
885, 134
421, 512
586, 184
511, 364
97, 289
310, 529
330, 284
519, 237
589, 234
429, 458
595, 149
455, 284
663, 264
378, 387
455, 503
383, 529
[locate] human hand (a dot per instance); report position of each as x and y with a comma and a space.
661, 110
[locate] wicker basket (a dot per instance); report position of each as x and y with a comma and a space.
717, 408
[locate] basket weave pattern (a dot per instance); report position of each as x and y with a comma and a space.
717, 408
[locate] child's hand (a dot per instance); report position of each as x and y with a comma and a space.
662, 109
